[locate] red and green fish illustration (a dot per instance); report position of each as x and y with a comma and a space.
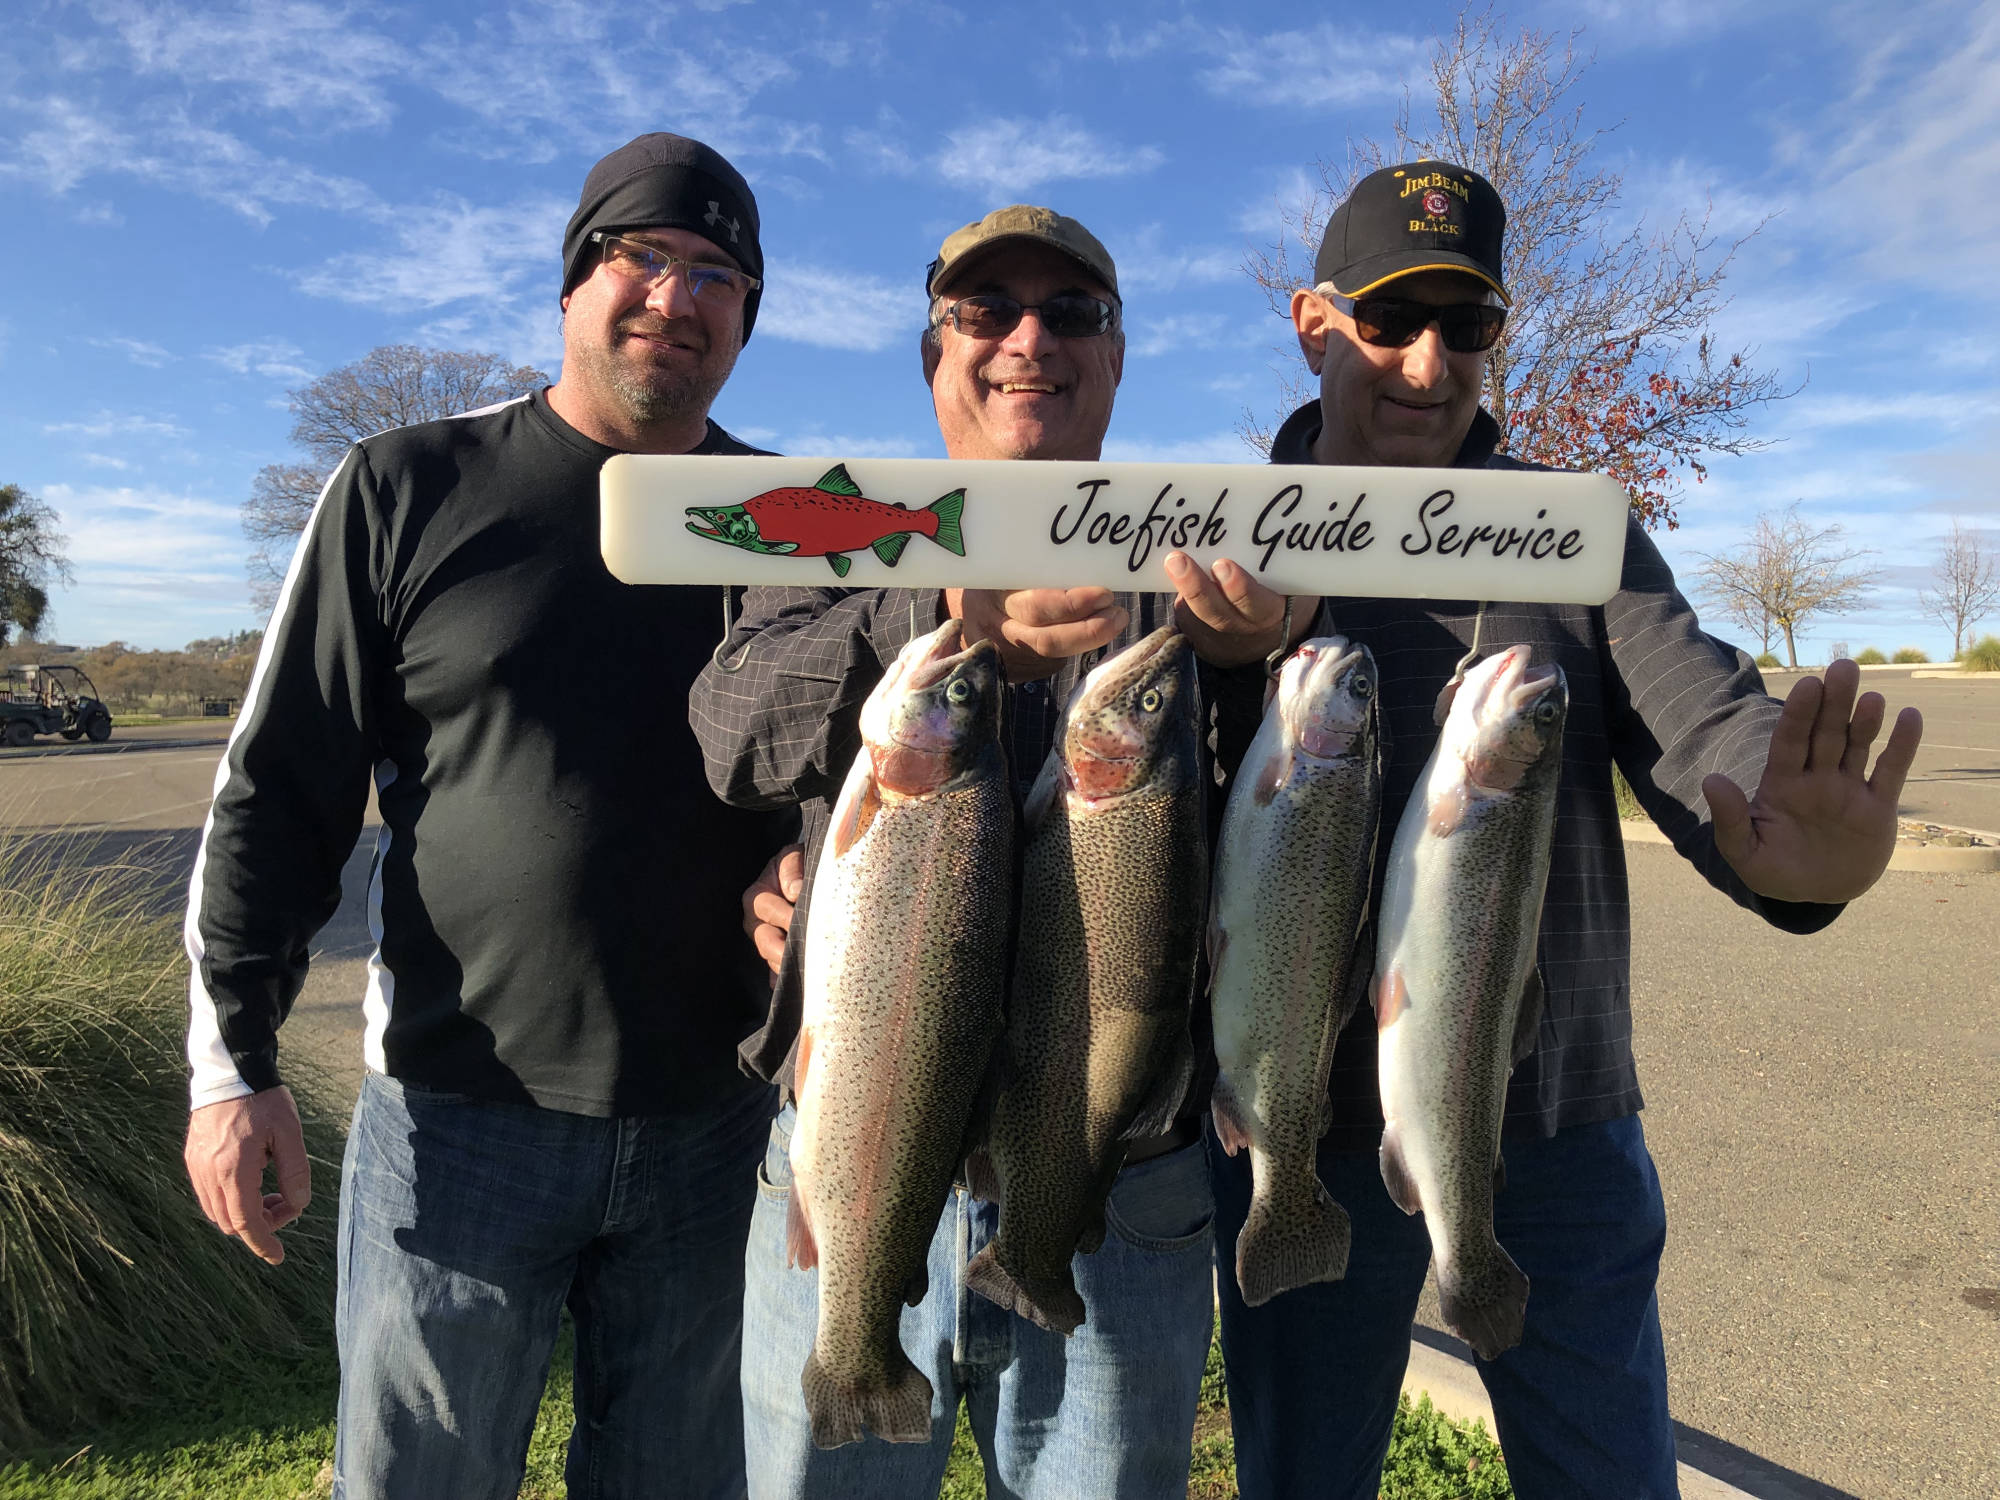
829, 520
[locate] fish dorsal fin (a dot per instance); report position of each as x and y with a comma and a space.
835, 482
1528, 1023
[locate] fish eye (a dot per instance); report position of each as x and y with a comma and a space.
960, 691
1361, 687
1150, 700
1545, 712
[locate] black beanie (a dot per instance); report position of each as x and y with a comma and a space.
663, 181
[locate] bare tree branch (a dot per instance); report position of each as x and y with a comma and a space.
1968, 585
393, 386
31, 558
1608, 362
1788, 571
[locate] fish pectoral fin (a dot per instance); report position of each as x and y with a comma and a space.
801, 1249
890, 548
1271, 777
835, 481
982, 1178
1499, 1173
856, 815
1396, 1172
1391, 997
839, 562
918, 1289
1231, 1129
1447, 812
781, 547
1528, 1021
1156, 1116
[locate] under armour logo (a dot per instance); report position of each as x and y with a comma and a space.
714, 217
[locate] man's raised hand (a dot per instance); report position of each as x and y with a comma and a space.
1819, 828
1231, 618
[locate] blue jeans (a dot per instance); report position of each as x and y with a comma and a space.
465, 1227
1106, 1413
1580, 1404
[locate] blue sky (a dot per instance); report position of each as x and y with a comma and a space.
207, 204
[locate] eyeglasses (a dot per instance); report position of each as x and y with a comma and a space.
637, 261
1397, 322
1070, 315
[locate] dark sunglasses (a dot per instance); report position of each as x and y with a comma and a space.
1071, 315
1396, 322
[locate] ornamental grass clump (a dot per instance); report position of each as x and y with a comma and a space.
1870, 657
1910, 656
1982, 655
115, 1294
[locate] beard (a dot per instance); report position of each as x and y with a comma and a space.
648, 394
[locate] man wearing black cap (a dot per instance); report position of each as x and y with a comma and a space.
552, 1115
1410, 296
1022, 359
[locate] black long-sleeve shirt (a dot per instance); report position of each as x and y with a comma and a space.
555, 893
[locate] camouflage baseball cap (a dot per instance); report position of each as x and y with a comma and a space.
1023, 221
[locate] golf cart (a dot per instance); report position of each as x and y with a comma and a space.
51, 700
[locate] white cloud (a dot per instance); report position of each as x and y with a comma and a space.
834, 309
1169, 335
1015, 156
843, 446
116, 424
143, 529
1147, 263
448, 252
275, 359
292, 57
1926, 412
1216, 448
105, 461
152, 356
1323, 69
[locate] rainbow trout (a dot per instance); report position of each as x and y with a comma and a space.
904, 962
1096, 1052
1291, 887
1457, 998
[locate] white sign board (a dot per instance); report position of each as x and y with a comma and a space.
951, 523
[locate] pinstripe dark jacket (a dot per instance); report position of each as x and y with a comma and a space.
1649, 690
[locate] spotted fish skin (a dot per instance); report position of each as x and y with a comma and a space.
1291, 887
904, 990
1457, 999
1097, 1052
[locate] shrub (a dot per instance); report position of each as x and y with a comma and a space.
1768, 660
115, 1293
1870, 657
1983, 655
1910, 654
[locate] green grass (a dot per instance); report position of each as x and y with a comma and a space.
1982, 655
1910, 656
1869, 658
1766, 660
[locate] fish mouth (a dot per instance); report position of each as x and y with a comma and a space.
709, 518
891, 727
1323, 719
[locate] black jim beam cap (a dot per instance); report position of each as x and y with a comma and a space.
1420, 216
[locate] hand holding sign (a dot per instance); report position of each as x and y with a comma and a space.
1037, 630
1231, 617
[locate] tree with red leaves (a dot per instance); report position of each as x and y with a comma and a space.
1608, 362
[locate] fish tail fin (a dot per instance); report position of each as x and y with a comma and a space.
1485, 1302
890, 548
839, 562
1277, 1252
1053, 1303
948, 509
897, 1410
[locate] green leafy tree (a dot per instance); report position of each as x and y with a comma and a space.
392, 386
31, 558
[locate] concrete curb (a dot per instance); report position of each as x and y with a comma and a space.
1924, 859
1455, 1389
109, 747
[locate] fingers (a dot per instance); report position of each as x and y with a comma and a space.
1729, 810
1861, 732
1056, 643
791, 871
1836, 707
1892, 766
243, 1208
771, 909
288, 1155
1791, 739
770, 941
1042, 607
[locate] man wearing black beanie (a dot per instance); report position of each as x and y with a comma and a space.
552, 1114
